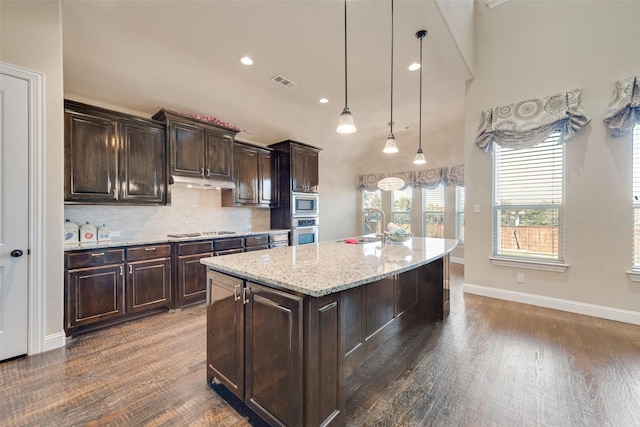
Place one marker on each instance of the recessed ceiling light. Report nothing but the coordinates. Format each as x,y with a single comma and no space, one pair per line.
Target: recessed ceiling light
413,67
246,60
323,100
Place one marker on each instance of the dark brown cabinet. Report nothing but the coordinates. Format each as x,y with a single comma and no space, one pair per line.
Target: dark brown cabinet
148,283
113,157
304,169
191,275
259,358
254,178
198,149
94,282
256,242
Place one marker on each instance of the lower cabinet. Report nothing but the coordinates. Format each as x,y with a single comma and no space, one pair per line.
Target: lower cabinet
105,286
191,277
255,345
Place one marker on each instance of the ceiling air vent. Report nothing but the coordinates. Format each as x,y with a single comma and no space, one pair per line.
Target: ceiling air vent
284,82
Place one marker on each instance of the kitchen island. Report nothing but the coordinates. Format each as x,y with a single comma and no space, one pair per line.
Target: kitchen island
286,327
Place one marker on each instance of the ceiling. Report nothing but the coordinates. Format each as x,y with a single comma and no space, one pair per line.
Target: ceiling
185,56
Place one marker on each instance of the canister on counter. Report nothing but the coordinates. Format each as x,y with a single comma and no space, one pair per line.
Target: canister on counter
104,234
71,233
88,234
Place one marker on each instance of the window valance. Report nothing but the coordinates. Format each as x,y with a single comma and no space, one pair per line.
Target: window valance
426,178
624,107
528,123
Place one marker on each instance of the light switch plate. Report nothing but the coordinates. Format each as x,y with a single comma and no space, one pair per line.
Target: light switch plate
476,208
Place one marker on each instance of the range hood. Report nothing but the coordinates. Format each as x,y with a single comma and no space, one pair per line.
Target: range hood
202,183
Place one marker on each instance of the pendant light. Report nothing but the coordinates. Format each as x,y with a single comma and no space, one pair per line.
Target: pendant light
345,124
419,159
391,146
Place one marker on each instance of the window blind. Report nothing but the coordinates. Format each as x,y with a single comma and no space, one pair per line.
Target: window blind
529,200
460,213
433,211
636,197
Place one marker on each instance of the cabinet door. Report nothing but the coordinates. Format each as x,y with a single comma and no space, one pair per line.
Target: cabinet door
218,155
298,164
192,278
225,332
273,369
148,284
142,163
90,159
267,187
311,171
246,191
94,294
186,149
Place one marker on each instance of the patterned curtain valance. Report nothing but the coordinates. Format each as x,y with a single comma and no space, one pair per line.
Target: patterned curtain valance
624,107
528,123
427,178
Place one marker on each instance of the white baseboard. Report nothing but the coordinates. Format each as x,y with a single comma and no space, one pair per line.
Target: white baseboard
600,311
54,341
457,260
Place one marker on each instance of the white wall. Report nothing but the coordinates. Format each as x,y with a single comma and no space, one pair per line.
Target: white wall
31,37
526,49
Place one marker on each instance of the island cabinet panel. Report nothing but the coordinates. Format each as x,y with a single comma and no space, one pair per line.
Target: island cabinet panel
324,402
430,292
191,275
225,332
407,286
379,304
352,306
274,368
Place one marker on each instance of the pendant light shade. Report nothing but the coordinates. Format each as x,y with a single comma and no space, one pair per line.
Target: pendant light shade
391,146
419,159
345,124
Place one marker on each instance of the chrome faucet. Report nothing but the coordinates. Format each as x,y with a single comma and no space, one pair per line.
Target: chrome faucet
367,219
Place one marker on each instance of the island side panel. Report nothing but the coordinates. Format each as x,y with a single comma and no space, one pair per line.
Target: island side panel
324,355
430,279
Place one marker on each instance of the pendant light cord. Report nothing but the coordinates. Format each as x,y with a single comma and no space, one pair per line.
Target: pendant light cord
391,121
420,124
345,54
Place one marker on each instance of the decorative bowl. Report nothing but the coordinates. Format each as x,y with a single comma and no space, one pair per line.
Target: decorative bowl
399,238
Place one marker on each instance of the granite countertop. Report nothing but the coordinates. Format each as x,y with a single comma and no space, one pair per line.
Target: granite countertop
114,243
331,266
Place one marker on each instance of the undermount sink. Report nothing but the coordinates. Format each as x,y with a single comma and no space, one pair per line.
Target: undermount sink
361,240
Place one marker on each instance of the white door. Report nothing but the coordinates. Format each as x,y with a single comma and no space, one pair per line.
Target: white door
14,215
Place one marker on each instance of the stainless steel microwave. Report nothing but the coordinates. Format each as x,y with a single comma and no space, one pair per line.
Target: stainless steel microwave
304,204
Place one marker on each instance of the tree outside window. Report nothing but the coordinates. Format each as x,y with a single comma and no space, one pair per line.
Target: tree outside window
401,213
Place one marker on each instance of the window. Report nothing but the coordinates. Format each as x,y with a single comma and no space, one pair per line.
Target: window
401,208
371,200
528,210
433,211
460,214
636,197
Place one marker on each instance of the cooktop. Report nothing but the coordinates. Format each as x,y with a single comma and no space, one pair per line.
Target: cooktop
203,234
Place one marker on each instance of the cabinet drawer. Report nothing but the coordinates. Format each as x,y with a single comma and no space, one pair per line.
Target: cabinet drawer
278,245
148,252
193,248
256,240
256,248
279,238
94,258
224,244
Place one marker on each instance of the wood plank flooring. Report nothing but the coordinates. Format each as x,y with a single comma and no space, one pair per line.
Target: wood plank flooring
490,363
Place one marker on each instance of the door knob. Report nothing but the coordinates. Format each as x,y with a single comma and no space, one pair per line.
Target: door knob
16,253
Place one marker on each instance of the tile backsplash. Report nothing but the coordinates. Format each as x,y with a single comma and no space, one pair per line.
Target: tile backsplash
191,210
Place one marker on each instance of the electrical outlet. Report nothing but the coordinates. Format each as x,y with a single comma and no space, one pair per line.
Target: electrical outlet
520,277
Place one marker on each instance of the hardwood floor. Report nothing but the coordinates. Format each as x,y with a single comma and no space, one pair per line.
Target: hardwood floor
490,363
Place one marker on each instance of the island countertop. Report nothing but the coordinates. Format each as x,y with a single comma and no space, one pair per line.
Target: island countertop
330,266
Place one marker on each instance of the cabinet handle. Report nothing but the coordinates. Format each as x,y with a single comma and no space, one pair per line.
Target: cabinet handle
245,299
130,269
202,171
208,172
150,249
121,270
115,193
236,295
98,254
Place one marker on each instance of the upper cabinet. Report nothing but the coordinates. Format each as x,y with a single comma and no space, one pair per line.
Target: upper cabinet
112,157
198,149
254,178
299,163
